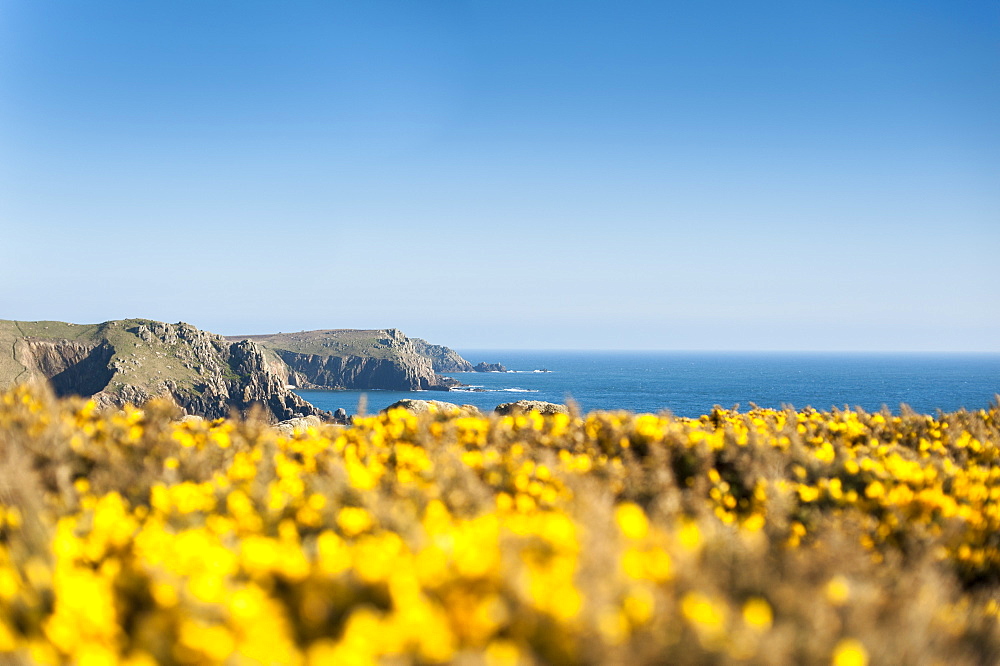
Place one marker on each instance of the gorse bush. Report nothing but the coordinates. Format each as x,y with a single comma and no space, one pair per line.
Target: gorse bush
763,537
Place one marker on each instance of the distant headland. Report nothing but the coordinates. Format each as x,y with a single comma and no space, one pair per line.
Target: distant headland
209,375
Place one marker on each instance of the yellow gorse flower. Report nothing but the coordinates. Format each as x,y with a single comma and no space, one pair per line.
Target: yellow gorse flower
131,537
850,652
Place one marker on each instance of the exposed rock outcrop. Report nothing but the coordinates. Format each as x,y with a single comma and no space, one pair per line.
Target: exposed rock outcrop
443,359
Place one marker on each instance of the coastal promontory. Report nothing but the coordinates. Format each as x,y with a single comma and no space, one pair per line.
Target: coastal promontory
209,375
134,360
357,359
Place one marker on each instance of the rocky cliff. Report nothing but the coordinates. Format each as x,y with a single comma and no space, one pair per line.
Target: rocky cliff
443,359
134,360
358,372
353,359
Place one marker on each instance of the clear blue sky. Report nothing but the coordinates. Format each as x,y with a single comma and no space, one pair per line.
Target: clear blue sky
516,174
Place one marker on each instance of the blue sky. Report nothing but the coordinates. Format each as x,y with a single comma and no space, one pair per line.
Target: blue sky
704,175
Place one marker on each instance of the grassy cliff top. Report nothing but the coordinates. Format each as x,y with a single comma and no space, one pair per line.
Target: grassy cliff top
111,331
139,362
54,330
382,343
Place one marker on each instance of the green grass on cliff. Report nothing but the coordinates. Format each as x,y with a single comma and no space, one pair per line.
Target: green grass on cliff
333,342
157,360
146,364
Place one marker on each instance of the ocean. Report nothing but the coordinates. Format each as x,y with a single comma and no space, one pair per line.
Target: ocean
691,383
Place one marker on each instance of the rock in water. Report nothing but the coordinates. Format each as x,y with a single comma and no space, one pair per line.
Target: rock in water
489,367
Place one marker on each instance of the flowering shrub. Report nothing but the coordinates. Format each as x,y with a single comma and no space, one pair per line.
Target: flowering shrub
763,537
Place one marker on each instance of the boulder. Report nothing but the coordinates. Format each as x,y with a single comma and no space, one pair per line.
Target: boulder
291,426
435,406
525,406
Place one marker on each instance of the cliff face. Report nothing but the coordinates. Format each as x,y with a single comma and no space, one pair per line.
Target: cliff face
131,361
72,368
354,359
357,372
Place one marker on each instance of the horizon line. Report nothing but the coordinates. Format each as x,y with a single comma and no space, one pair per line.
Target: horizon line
723,351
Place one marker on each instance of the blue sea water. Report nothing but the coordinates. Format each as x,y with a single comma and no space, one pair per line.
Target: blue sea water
691,383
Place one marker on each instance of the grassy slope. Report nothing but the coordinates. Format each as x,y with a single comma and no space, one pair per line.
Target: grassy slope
148,363
157,361
333,342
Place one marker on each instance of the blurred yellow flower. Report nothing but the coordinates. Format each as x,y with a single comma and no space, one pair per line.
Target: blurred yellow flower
354,520
632,520
757,613
850,652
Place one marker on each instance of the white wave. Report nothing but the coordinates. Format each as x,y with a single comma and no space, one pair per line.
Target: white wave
481,389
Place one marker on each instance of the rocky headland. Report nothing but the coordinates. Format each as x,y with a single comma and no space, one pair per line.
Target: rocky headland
134,360
358,359
208,375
